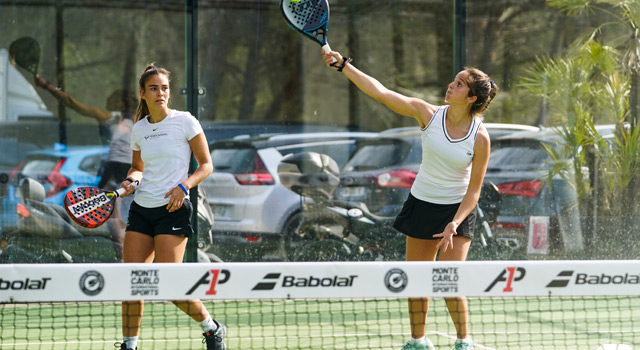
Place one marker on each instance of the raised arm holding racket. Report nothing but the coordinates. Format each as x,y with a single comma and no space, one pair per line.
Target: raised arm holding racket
438,218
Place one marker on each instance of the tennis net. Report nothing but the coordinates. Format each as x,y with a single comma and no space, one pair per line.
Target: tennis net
512,304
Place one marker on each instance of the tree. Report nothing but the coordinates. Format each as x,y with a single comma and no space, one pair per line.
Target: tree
596,80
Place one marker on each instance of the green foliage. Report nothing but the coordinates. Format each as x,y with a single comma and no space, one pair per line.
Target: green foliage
590,85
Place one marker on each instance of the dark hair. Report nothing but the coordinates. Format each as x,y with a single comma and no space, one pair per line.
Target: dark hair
149,71
481,86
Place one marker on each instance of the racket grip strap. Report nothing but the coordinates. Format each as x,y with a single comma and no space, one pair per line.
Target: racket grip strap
345,61
136,182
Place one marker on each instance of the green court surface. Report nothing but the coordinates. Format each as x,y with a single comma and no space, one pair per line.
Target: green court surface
495,323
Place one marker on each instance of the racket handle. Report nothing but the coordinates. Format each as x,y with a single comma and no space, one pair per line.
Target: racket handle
326,48
120,191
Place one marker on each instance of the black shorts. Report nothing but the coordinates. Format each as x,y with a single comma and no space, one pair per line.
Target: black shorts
420,219
159,221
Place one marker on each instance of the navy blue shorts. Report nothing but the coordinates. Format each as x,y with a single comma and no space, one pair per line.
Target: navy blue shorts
422,220
159,221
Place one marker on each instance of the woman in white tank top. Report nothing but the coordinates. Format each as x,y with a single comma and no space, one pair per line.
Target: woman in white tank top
439,214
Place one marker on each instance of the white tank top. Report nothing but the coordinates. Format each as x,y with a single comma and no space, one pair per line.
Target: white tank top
445,171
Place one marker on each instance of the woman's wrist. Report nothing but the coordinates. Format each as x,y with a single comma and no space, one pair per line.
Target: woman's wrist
132,180
345,62
184,189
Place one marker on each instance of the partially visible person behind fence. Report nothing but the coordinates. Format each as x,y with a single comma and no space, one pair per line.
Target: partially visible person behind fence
117,119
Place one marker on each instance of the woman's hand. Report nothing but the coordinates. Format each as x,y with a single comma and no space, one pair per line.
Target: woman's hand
129,187
176,197
447,236
331,57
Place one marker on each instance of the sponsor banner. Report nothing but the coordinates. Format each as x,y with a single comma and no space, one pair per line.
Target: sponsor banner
80,282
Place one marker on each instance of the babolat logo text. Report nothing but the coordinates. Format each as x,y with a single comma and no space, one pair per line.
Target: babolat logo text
88,205
508,275
25,284
563,279
271,280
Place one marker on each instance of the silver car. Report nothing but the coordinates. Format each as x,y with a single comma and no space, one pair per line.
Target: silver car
253,211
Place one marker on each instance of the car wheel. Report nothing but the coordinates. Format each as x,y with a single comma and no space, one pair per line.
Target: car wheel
291,236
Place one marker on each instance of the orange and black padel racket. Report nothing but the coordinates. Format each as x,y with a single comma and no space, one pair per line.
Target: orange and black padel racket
90,206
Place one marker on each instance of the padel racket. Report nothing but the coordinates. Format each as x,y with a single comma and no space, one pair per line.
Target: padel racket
309,18
26,53
90,207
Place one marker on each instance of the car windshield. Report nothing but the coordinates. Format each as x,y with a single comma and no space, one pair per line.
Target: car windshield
92,164
518,155
381,155
234,160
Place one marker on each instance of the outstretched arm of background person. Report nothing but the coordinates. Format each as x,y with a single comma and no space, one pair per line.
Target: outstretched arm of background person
99,114
401,104
481,151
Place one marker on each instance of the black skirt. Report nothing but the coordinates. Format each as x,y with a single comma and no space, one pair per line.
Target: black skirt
422,220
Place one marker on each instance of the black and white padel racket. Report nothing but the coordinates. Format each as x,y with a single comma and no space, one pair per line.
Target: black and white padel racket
309,18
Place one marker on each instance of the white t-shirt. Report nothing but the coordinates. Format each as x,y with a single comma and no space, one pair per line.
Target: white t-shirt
120,144
164,148
445,171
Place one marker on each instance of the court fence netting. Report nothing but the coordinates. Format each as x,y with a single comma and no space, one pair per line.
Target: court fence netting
324,305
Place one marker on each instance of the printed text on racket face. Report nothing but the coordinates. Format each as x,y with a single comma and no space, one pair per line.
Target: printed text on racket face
88,205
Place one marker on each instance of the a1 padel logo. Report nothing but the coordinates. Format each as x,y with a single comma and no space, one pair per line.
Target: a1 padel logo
564,278
270,281
508,275
213,282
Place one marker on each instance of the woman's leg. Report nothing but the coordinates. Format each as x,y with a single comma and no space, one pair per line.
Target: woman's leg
170,248
458,309
419,250
137,248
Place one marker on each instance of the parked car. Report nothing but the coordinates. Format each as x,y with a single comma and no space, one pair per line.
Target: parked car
252,209
61,168
518,165
224,130
381,171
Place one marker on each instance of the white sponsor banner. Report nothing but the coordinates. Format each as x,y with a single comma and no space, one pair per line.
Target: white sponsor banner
80,282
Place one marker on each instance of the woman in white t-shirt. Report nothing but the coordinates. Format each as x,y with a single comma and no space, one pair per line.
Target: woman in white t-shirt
438,218
162,140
